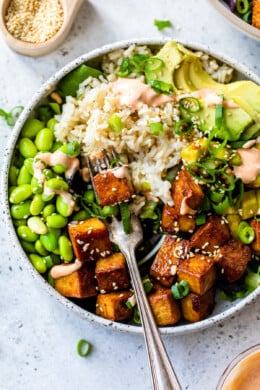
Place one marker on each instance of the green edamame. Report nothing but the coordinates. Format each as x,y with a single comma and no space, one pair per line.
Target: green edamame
19,222
59,168
44,140
89,196
81,215
27,148
27,246
65,248
21,211
20,193
52,123
38,263
57,184
49,241
24,176
37,204
40,249
109,211
48,173
56,221
48,210
56,146
28,163
31,128
72,149
63,207
37,225
36,185
25,233
13,174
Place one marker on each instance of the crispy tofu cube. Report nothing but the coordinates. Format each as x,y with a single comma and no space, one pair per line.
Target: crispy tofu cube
232,260
171,253
90,239
173,222
113,186
112,273
196,307
210,236
256,243
186,193
113,306
165,309
78,284
199,271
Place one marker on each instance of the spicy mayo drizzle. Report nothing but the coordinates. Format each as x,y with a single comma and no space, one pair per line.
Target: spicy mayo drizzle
60,270
250,167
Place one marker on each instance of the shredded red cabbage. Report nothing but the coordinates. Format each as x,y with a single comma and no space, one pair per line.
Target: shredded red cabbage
232,4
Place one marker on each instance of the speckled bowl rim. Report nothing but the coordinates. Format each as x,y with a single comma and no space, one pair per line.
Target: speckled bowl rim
43,91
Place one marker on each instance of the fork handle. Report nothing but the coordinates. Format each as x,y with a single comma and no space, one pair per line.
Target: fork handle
163,375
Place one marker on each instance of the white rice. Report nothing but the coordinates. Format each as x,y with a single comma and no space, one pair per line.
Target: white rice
85,119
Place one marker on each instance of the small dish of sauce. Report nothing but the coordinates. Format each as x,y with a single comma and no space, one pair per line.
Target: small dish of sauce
243,373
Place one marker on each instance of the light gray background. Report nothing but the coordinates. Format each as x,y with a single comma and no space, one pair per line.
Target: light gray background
38,336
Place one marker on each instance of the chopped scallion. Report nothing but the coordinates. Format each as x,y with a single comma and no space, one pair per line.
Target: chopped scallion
84,348
115,123
162,24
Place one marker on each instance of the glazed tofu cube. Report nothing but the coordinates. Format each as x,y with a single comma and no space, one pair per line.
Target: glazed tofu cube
199,271
90,239
210,236
256,243
112,273
113,306
232,260
196,307
113,186
171,253
165,309
186,193
78,284
173,222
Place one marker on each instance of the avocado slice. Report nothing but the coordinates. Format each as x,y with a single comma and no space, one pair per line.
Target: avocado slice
172,58
182,79
201,79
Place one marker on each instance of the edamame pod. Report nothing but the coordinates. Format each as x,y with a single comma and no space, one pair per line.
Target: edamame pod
65,248
27,148
37,225
37,204
24,176
31,128
56,221
57,184
25,233
49,241
44,140
63,207
21,211
20,193
40,248
38,263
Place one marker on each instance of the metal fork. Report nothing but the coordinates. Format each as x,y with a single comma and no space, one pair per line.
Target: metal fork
163,375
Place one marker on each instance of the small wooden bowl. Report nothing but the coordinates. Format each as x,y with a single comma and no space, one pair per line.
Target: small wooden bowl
70,9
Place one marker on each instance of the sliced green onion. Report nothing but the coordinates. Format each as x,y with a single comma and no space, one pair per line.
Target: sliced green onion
12,116
182,127
55,107
201,219
180,289
161,87
138,62
124,69
131,302
162,24
231,180
245,233
190,104
109,211
211,178
148,285
217,196
84,348
221,207
156,128
153,64
242,6
126,217
115,123
136,316
247,17
219,115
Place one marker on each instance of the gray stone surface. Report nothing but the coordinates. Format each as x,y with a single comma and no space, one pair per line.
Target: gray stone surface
38,336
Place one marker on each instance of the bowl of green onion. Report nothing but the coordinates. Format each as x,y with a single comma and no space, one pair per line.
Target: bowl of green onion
179,133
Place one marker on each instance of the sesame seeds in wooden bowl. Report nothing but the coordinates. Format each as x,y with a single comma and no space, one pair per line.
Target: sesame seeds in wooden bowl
37,27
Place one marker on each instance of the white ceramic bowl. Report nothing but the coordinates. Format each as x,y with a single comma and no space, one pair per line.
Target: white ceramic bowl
237,22
223,309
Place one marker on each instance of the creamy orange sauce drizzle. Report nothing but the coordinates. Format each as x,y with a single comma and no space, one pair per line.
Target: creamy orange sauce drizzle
250,167
246,375
60,270
134,93
58,157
